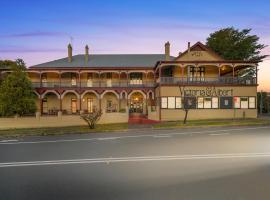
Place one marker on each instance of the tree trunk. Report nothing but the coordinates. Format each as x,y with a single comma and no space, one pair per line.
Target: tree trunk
186,114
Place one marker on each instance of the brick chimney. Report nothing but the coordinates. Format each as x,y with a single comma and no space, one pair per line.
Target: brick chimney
69,53
188,46
167,51
86,54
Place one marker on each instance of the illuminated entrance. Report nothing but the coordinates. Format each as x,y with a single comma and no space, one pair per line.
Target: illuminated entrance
136,103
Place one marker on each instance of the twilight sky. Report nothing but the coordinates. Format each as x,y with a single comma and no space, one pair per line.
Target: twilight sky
39,31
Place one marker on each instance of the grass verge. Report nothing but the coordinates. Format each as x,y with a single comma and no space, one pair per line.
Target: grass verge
61,130
207,123
124,126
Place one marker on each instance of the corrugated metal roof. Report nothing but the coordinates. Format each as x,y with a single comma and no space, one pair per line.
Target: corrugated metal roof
106,60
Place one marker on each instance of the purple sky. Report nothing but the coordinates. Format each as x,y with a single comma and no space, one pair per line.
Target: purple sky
39,31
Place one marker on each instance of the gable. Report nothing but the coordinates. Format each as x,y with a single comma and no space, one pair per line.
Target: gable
199,52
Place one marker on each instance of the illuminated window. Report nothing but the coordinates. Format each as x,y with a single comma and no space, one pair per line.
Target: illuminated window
178,102
200,102
164,102
171,102
252,103
207,102
244,102
215,102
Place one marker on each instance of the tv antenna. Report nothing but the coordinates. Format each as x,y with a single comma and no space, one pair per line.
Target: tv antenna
71,40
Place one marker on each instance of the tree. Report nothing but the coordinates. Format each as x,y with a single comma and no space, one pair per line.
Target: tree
92,118
16,92
188,102
235,44
5,65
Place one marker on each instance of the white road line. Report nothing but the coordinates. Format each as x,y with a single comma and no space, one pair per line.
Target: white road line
135,136
135,159
162,136
109,138
8,141
218,134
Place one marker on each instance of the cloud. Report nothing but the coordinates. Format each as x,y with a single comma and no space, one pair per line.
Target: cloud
35,34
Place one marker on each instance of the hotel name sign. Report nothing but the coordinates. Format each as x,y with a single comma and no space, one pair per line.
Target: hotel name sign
206,92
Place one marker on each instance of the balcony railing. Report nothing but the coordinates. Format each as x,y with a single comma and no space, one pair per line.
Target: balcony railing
209,80
90,84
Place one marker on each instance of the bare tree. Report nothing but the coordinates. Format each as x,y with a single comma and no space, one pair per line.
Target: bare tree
187,102
92,118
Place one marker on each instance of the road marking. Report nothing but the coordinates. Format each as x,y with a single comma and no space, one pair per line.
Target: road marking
218,134
135,159
8,141
133,136
109,138
162,136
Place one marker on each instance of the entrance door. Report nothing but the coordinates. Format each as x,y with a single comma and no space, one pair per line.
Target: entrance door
90,105
136,103
73,105
45,106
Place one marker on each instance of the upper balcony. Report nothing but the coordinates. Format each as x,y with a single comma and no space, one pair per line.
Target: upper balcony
209,80
92,80
207,74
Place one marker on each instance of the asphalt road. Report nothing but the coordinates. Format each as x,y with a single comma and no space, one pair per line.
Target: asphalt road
199,163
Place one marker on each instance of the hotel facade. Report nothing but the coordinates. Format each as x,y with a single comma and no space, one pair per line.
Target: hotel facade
154,86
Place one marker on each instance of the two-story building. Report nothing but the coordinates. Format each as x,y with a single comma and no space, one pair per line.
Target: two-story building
157,86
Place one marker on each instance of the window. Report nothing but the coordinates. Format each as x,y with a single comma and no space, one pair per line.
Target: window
237,103
252,102
196,74
171,102
215,102
207,102
244,102
200,102
164,102
201,73
178,102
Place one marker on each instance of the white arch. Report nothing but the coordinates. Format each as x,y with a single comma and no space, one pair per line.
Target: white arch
208,64
89,71
64,72
50,71
226,64
34,72
148,94
50,91
110,71
189,64
107,91
90,91
139,91
168,65
121,94
38,95
70,91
